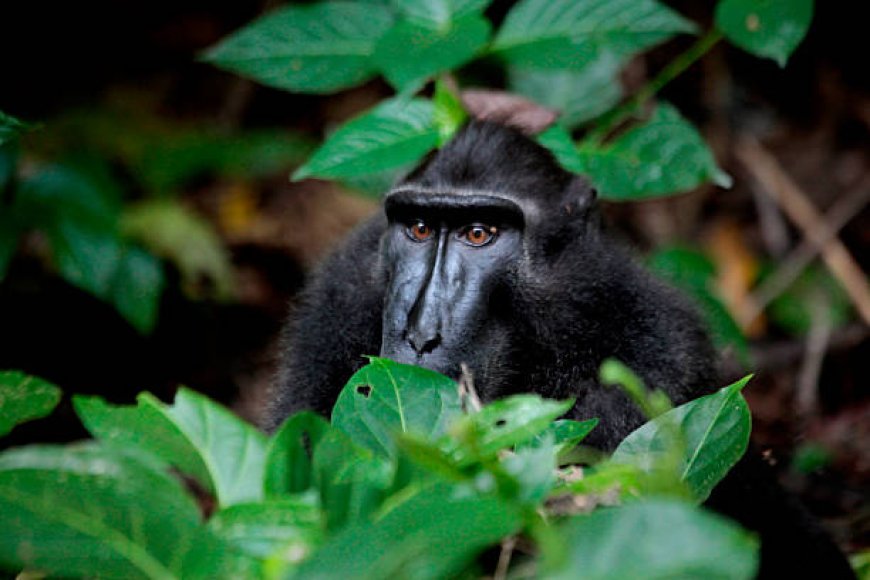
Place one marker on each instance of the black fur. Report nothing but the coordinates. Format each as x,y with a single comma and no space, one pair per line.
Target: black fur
572,300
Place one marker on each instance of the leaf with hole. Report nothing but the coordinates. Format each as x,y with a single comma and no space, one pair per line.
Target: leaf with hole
318,48
766,28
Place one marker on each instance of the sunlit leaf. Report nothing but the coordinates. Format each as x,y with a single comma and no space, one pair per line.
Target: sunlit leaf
571,34
449,113
395,133
438,13
318,48
766,28
24,398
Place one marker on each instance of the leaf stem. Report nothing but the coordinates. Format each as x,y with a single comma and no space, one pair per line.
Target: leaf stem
673,69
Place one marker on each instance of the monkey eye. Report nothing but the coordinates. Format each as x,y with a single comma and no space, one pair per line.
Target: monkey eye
478,234
419,231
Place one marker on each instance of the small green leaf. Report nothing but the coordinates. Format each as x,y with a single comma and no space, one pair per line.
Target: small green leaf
579,95
449,113
171,230
385,398
431,535
709,545
86,256
564,433
766,28
318,48
411,53
260,530
24,398
137,287
439,13
93,511
198,436
663,156
560,34
507,422
715,430
395,133
288,461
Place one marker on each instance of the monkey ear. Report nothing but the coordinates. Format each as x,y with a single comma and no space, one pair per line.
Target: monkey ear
579,196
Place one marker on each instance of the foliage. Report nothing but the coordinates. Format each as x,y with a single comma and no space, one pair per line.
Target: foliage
404,481
565,54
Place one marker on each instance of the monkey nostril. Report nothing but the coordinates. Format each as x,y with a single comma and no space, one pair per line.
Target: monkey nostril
423,344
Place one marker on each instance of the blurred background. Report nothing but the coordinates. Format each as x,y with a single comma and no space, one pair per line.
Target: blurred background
177,173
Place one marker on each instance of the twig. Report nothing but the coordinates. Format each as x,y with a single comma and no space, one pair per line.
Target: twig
467,393
794,203
842,212
807,390
504,558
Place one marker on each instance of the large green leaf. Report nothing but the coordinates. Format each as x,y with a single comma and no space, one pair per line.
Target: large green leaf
198,436
655,539
395,133
260,530
664,155
411,53
288,462
92,511
385,398
573,33
579,95
24,398
449,113
713,429
439,13
319,48
431,535
767,28
189,241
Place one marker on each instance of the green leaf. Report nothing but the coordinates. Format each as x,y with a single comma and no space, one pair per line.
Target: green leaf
663,156
288,462
564,433
385,398
260,530
534,471
411,53
691,271
573,33
439,13
24,398
395,133
449,113
558,140
709,546
92,511
196,435
10,128
319,48
86,256
169,229
505,423
766,28
579,95
715,430
137,287
815,292
431,535
350,479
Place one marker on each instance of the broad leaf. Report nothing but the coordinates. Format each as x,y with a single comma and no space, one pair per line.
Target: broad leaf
449,113
638,540
715,433
431,535
437,14
395,133
198,436
766,28
385,398
318,48
564,433
137,287
288,461
579,95
411,53
88,510
260,530
24,398
663,156
571,34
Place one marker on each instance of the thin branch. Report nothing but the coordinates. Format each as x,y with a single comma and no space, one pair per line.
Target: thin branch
794,203
818,338
504,558
467,393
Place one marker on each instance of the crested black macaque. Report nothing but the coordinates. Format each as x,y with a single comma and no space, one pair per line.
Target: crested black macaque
490,254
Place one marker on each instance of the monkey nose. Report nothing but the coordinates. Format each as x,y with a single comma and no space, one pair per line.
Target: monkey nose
423,342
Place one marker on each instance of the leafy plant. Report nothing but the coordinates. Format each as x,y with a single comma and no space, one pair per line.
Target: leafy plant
402,482
565,54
